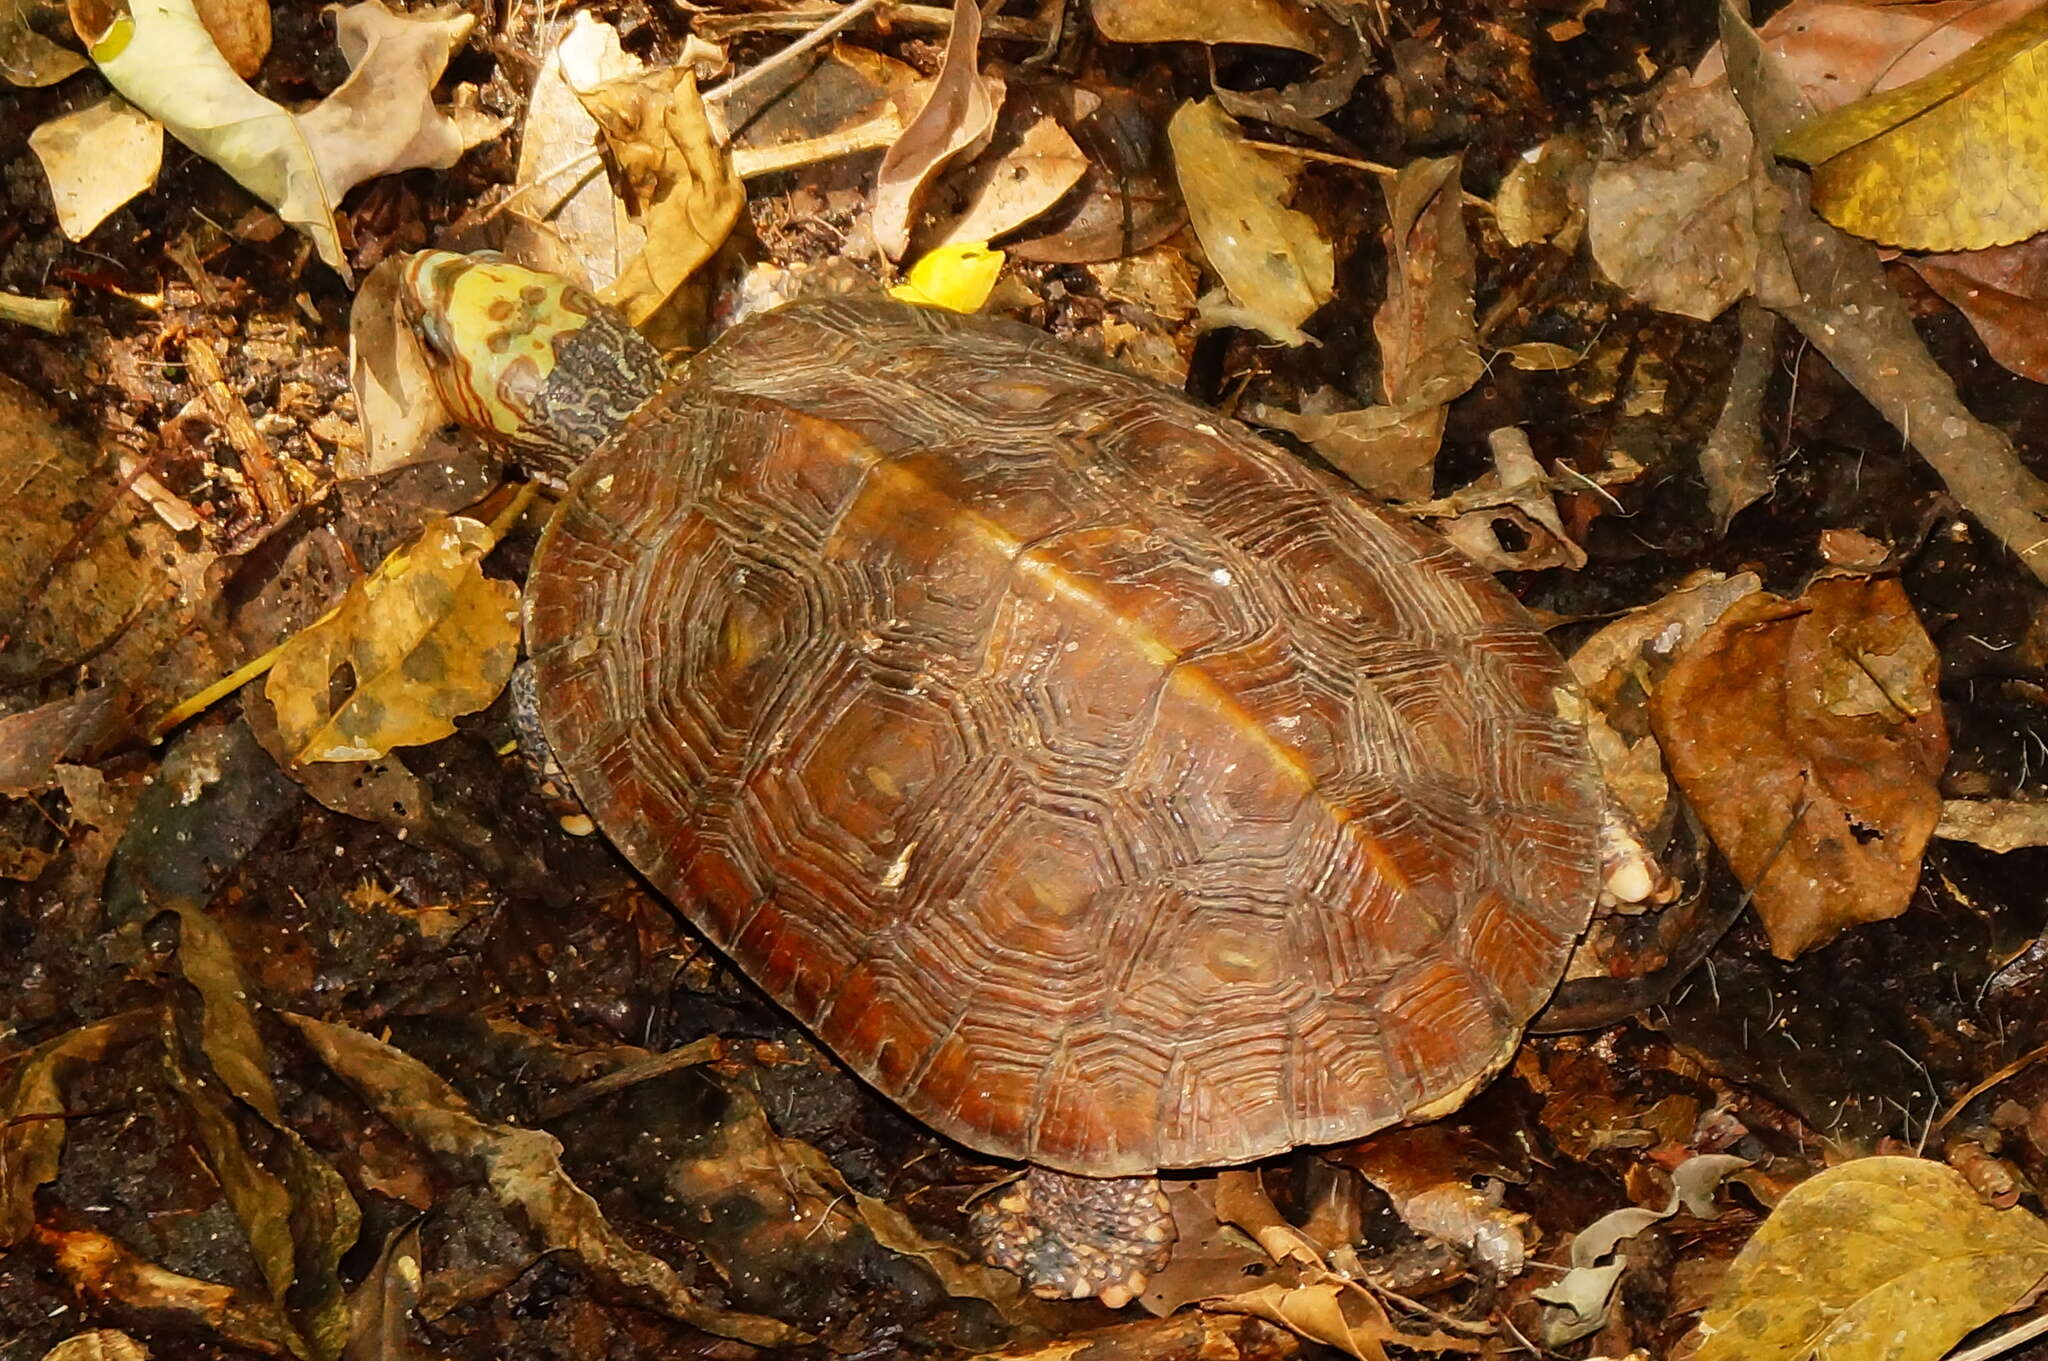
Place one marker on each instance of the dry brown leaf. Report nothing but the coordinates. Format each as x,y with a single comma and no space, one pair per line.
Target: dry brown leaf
852,100
522,1168
1620,667
32,1108
101,1344
240,29
1275,261
1825,704
1676,226
956,121
26,56
1543,195
1999,825
679,186
562,215
1956,160
2003,291
96,159
113,1278
1272,23
417,643
1838,51
1880,1259
1011,185
1516,493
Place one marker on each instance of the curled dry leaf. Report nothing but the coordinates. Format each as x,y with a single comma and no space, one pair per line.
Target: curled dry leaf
1516,493
1956,160
420,641
1271,23
160,56
1891,1258
562,214
679,184
110,1275
389,372
1808,737
1275,262
956,121
1676,226
96,159
1838,51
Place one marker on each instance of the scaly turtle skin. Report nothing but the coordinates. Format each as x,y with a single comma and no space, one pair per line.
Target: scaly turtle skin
1106,786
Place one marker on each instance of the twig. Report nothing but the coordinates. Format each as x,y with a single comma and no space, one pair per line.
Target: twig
1370,167
45,314
719,94
2004,1342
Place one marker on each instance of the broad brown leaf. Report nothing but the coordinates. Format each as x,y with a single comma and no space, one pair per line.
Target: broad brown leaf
1808,737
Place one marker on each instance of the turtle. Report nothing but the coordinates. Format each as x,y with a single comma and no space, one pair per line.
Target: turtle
1112,789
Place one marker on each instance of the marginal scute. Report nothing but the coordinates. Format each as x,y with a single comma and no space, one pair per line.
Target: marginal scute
1109,788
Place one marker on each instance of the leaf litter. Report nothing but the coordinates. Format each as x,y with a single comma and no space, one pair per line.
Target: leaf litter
1422,315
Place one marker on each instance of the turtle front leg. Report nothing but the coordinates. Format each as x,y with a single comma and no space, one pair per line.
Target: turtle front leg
1071,1237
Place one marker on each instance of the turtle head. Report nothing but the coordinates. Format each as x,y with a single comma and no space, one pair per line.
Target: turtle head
526,358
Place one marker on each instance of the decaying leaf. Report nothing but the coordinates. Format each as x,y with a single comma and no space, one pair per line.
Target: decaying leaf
851,100
1429,349
1999,825
679,184
1543,195
1275,262
1579,1301
1273,23
1620,667
101,1344
26,56
1808,737
1733,461
523,1170
417,643
956,121
96,159
160,56
1010,185
1127,201
1880,1259
2003,291
111,1276
294,1209
32,1112
1516,495
1956,160
1676,226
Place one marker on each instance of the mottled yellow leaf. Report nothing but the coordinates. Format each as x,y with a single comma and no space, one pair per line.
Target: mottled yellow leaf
1275,261
957,277
424,638
1956,160
1891,1258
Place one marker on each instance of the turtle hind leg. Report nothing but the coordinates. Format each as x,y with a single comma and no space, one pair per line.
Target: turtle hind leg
1071,1237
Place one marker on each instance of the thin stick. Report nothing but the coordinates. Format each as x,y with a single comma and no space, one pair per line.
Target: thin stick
2004,1342
1370,167
721,93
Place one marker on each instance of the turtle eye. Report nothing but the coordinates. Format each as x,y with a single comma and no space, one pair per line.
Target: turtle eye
432,331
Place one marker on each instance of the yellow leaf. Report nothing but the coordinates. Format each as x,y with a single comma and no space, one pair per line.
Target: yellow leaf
1956,160
1274,260
1891,1258
423,639
957,277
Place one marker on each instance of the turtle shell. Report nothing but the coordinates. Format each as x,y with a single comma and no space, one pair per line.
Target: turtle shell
1106,786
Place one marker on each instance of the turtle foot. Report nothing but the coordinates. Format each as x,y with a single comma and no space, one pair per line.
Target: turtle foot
1071,1237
